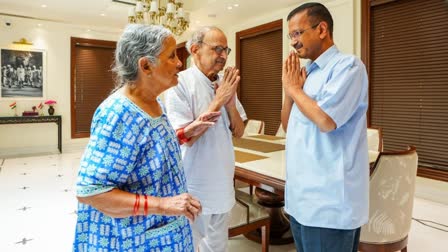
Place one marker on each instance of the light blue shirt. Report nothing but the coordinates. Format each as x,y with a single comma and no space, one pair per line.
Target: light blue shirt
327,174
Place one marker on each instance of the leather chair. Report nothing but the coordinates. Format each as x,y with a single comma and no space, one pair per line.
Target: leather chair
254,127
375,138
392,187
280,131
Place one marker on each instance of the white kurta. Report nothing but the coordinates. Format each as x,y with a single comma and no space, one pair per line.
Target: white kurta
210,163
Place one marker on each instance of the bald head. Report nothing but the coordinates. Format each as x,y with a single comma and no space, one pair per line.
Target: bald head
198,35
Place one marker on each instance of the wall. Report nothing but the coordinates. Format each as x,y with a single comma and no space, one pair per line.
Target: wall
54,38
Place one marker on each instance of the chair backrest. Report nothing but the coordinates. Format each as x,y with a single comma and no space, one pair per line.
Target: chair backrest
375,139
392,187
280,131
254,127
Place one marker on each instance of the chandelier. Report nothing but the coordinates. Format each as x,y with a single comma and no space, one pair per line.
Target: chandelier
171,15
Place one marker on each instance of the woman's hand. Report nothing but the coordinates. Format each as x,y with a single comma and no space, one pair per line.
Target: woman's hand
183,204
201,124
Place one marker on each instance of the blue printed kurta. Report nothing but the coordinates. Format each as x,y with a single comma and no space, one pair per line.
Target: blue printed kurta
133,152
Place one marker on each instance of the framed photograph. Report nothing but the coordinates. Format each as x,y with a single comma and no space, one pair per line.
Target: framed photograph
22,74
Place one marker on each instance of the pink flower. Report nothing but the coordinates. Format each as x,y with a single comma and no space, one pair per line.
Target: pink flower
50,102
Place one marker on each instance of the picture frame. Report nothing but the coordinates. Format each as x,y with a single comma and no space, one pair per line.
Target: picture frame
23,74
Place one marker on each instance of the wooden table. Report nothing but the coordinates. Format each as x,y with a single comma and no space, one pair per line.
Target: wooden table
268,174
36,119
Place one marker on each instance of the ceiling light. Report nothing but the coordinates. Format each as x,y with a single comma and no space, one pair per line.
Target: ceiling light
43,6
102,14
169,13
229,7
236,5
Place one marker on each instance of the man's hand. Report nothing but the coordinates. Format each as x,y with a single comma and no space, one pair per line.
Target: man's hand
227,89
201,124
231,103
293,78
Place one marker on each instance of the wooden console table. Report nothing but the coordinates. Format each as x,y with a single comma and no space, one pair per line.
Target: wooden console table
36,119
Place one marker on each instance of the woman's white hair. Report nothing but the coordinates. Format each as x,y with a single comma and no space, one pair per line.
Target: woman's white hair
137,41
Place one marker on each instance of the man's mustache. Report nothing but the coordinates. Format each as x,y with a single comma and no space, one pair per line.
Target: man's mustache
298,46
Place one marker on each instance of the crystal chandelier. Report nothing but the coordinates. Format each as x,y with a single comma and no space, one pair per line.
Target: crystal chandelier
171,15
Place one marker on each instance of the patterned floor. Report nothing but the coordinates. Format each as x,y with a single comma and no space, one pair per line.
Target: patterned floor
38,209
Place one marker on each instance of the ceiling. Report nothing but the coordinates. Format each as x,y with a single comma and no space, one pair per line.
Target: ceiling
106,13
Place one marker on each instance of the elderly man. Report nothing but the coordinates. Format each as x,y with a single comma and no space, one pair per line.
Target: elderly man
324,111
209,160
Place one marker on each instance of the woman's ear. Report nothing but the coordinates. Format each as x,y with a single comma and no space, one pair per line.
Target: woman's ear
145,66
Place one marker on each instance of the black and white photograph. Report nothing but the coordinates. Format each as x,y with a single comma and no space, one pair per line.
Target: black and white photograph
22,73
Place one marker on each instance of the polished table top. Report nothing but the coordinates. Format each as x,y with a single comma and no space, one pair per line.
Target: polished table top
273,164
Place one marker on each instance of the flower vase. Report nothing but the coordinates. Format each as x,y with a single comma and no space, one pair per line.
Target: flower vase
51,110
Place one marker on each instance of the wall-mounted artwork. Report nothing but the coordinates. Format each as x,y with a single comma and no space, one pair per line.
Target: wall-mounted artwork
22,74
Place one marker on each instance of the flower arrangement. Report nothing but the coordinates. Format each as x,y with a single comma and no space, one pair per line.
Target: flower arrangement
50,102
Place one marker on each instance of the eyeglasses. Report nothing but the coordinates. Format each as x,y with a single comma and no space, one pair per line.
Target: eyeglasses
219,49
297,33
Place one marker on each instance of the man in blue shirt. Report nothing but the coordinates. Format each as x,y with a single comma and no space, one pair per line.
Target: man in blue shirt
324,112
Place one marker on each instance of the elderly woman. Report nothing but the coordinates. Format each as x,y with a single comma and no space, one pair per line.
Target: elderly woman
131,186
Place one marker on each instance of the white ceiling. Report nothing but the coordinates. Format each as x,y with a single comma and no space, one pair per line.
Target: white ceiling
88,12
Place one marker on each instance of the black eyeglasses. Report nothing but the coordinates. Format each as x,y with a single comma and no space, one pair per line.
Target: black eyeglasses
296,34
219,49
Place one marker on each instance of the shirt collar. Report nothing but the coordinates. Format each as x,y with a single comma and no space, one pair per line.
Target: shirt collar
205,78
322,60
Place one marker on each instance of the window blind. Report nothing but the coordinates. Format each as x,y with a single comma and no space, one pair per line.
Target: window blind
261,73
409,77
